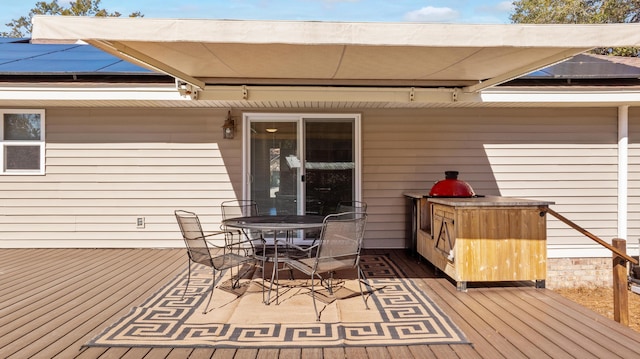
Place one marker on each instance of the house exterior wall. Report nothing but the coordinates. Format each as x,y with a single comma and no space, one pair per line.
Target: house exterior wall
565,155
106,167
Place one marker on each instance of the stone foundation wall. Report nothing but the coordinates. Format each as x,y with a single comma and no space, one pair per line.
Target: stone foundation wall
579,272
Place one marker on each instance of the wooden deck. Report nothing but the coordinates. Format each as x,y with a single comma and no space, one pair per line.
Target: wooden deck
52,301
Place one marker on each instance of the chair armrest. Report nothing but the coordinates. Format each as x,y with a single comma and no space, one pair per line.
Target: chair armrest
289,245
238,245
208,236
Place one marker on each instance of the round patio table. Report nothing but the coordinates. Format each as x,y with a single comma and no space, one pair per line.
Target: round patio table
285,222
276,223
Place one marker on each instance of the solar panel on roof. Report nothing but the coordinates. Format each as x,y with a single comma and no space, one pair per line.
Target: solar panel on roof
589,66
17,56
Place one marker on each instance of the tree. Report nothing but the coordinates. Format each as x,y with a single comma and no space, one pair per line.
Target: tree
21,27
579,12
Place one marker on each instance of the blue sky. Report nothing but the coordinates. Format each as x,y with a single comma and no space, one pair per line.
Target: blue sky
448,11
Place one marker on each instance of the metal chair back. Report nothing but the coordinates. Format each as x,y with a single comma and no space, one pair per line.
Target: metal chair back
340,241
351,206
194,238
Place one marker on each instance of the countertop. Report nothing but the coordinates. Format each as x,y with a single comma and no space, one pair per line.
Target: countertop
486,201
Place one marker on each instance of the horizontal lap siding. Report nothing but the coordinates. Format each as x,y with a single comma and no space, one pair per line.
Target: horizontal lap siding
564,155
106,167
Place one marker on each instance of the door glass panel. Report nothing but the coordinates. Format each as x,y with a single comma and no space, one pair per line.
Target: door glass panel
302,164
275,166
330,165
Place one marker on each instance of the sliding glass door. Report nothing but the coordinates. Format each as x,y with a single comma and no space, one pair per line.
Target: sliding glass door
297,164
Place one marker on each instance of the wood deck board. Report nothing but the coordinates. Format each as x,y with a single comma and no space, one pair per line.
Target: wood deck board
485,342
48,320
130,295
527,339
39,285
378,353
586,316
83,306
245,354
23,280
422,352
546,326
40,299
89,353
555,319
201,353
267,353
498,322
333,353
400,352
87,290
234,353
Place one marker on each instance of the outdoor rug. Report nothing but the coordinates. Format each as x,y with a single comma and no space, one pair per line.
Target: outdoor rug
400,314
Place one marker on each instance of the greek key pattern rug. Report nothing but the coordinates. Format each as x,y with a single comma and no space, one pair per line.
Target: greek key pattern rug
400,314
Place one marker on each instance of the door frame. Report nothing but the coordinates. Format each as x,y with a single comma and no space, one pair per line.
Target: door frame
298,117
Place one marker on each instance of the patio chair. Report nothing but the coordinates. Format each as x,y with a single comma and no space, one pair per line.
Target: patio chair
242,208
233,254
351,206
259,249
338,248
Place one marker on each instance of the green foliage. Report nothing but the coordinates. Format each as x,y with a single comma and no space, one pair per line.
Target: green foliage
575,11
21,27
580,12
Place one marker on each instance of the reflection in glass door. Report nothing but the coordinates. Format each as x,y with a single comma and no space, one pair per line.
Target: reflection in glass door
301,163
329,164
274,173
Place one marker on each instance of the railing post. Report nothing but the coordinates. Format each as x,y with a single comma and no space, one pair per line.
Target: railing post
620,283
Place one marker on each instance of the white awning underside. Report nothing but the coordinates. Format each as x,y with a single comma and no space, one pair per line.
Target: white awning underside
226,60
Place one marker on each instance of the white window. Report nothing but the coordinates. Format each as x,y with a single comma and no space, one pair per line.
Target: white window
22,142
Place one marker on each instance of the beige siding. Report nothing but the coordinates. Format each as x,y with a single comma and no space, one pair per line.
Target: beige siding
567,155
106,167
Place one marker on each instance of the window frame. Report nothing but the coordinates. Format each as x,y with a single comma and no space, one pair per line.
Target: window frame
5,143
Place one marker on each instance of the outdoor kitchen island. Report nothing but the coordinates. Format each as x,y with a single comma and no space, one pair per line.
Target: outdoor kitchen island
482,239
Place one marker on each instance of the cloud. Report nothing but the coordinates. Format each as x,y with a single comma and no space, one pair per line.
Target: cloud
432,14
501,7
506,6
495,13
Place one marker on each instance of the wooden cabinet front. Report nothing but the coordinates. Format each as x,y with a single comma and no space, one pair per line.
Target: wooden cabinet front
485,243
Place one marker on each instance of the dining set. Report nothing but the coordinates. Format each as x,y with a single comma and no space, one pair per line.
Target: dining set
317,246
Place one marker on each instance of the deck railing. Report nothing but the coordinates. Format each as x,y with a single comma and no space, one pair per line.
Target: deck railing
620,274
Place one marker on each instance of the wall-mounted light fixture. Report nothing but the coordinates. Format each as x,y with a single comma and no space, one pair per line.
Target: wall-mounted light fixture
229,127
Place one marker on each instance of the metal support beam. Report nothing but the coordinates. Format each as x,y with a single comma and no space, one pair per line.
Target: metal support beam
337,94
523,70
118,49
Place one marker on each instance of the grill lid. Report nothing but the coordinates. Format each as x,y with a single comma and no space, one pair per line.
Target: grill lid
451,186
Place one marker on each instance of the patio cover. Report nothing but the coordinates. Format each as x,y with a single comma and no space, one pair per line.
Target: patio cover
222,59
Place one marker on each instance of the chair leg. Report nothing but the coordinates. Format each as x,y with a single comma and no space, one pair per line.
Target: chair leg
233,283
213,286
361,278
313,296
188,278
330,283
264,263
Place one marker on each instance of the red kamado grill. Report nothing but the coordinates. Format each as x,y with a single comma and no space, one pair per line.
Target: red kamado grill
451,186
